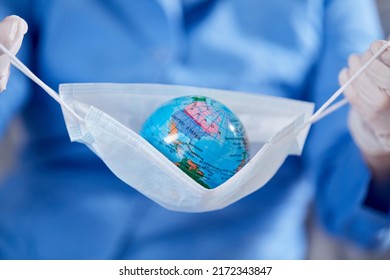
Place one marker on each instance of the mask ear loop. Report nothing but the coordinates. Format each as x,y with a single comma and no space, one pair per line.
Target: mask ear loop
326,109
323,111
24,69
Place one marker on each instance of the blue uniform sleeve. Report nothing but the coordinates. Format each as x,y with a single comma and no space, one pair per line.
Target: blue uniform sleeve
16,94
335,163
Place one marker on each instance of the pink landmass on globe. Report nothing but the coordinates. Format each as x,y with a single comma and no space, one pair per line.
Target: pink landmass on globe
195,112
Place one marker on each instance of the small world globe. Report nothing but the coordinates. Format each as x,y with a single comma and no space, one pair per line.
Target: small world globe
201,136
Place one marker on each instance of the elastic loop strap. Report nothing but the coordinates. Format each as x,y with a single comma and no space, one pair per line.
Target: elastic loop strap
321,111
319,114
23,68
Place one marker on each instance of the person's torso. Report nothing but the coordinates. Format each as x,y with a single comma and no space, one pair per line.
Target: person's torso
266,47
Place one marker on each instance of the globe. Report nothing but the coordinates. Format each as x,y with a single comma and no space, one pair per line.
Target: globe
201,136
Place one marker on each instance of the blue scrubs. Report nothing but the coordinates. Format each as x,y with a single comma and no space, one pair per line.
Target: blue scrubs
63,203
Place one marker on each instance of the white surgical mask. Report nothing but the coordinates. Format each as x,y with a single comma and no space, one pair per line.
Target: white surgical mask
113,114
107,117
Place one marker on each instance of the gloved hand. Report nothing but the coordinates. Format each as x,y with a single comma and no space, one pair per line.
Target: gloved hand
12,30
369,118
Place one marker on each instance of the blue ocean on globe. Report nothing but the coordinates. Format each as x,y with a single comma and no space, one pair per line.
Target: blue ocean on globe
201,136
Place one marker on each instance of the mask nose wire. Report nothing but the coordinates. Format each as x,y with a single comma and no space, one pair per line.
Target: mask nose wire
24,69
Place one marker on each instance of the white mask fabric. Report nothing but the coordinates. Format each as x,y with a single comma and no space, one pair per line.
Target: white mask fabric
114,113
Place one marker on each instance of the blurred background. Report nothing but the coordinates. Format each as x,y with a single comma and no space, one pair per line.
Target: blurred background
321,245
384,12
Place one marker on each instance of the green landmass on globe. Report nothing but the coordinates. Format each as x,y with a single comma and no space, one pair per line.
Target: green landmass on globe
201,136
